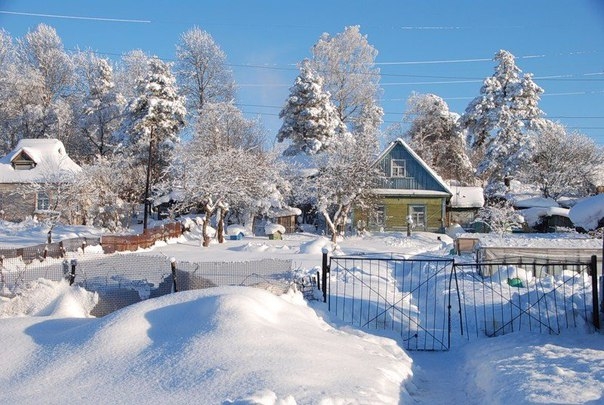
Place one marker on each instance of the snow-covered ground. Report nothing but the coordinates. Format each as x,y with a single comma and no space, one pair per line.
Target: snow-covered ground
248,346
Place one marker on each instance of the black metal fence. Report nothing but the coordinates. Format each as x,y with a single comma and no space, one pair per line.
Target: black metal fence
124,279
430,302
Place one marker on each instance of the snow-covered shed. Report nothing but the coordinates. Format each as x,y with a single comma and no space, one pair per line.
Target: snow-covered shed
32,161
464,205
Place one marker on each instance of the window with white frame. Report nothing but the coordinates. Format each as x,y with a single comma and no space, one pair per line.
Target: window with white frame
418,215
398,168
42,201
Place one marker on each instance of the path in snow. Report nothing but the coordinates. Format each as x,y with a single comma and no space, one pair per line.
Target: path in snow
441,378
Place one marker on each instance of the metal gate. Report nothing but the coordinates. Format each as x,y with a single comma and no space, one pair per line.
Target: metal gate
429,302
403,296
497,298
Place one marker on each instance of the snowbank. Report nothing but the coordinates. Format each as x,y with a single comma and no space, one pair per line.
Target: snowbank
219,345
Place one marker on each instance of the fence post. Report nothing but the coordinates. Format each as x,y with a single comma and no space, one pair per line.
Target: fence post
74,263
594,289
173,267
602,290
324,271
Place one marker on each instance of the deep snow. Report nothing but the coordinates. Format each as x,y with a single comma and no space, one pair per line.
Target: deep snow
245,345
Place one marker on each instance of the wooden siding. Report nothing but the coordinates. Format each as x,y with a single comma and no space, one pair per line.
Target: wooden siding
418,178
396,210
15,206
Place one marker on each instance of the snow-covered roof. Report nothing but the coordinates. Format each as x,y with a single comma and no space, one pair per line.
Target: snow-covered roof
271,228
467,197
284,212
50,160
588,213
533,215
404,144
532,202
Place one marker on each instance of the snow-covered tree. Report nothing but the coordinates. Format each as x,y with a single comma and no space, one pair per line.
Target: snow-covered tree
224,168
8,93
222,126
49,70
501,217
36,78
502,120
156,117
336,181
346,62
102,106
437,138
563,163
202,72
106,192
132,69
310,120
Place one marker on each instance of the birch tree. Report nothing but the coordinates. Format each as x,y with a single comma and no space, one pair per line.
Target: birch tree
202,71
346,61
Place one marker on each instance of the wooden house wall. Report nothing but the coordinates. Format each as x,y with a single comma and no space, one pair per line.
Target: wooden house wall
16,207
417,177
396,210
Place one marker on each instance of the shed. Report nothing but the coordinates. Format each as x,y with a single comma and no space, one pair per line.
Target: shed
464,205
274,231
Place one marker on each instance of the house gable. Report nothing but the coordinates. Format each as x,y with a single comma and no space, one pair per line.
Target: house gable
22,161
406,173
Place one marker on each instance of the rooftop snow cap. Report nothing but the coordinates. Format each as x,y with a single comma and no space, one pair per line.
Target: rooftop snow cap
50,158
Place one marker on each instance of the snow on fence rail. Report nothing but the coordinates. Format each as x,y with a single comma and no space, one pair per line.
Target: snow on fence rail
124,279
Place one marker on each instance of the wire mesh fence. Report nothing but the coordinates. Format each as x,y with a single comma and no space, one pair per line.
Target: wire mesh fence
124,279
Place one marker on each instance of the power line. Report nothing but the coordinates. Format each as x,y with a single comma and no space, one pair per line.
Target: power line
453,79
72,17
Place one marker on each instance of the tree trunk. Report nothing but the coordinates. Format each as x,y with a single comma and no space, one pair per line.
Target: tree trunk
148,182
331,226
220,228
205,239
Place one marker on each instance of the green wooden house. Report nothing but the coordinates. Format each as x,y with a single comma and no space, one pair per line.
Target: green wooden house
409,190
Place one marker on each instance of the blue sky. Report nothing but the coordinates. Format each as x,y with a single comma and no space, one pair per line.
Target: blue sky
427,46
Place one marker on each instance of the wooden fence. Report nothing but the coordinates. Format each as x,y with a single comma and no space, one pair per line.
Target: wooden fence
121,243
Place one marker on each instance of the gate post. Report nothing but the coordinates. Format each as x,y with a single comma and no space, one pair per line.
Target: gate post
173,269
594,293
324,271
72,275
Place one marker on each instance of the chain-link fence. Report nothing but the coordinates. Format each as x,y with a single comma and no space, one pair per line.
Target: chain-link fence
124,279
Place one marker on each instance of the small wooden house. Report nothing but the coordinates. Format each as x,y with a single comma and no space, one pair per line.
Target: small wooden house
33,161
410,192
